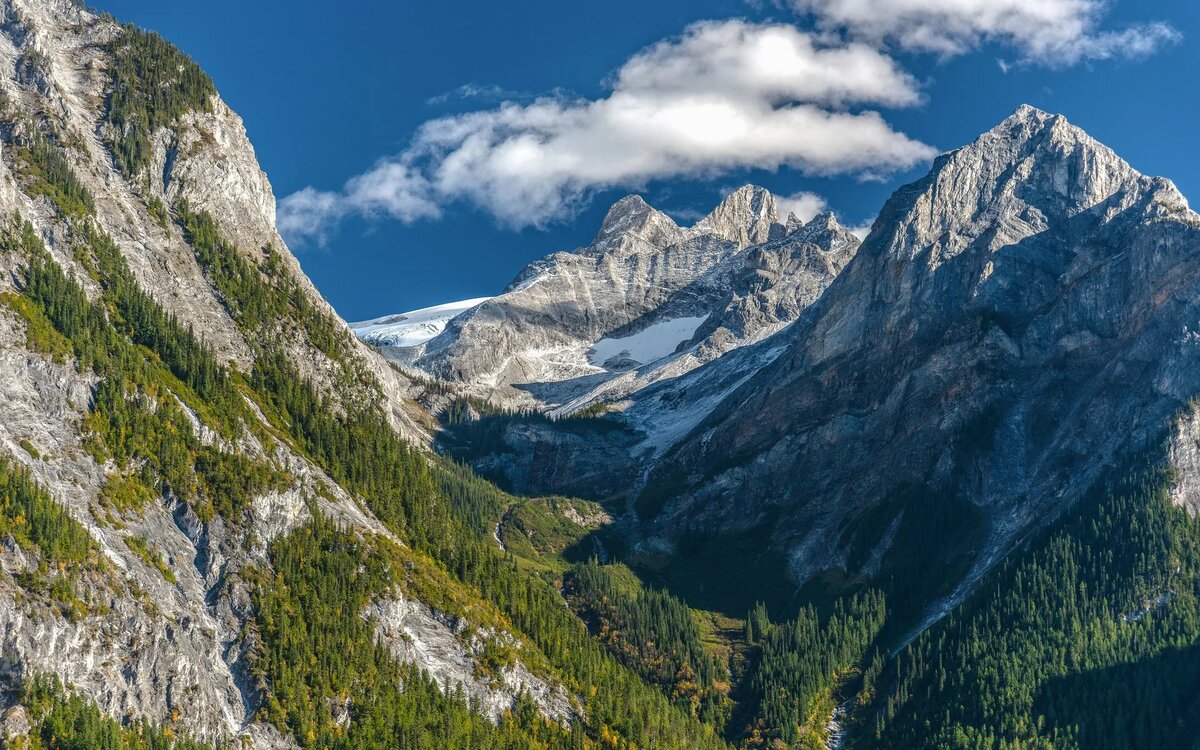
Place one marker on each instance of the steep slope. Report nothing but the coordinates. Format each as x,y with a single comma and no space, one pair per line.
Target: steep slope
219,524
166,365
1016,322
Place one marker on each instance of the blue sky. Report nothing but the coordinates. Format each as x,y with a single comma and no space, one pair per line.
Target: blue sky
329,91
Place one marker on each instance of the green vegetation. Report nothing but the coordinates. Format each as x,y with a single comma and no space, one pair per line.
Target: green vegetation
158,210
63,720
259,297
135,314
122,493
617,703
40,334
363,453
548,526
758,624
359,449
47,173
141,547
654,634
29,448
591,411
803,663
152,85
318,656
441,510
1089,640
38,523
146,362
61,546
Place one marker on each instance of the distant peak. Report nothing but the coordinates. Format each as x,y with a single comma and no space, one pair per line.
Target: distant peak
1028,123
630,205
1029,112
625,213
748,193
633,215
826,232
749,200
744,217
823,220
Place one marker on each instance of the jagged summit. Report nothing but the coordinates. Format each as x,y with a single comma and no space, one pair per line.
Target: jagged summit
633,215
735,276
745,217
824,231
1030,172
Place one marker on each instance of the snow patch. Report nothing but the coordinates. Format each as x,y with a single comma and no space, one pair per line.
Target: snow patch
649,345
415,327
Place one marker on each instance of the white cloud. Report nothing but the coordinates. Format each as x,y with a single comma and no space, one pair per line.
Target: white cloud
861,230
724,96
478,92
804,204
1048,32
391,189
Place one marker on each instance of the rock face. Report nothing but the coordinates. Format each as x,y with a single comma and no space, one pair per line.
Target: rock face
647,300
415,633
1017,323
167,643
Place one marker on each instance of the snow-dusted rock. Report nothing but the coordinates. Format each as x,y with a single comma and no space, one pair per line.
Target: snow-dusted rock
646,300
413,328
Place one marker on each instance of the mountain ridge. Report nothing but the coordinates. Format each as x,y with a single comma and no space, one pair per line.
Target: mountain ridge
222,523
738,269
168,366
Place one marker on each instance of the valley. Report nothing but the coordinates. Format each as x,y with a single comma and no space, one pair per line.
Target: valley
756,482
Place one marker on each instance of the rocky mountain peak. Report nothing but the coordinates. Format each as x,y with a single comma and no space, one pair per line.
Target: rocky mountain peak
745,217
824,220
1031,172
1031,271
633,217
825,232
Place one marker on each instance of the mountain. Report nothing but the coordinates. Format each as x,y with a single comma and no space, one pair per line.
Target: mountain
220,523
1015,325
937,490
646,300
987,418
